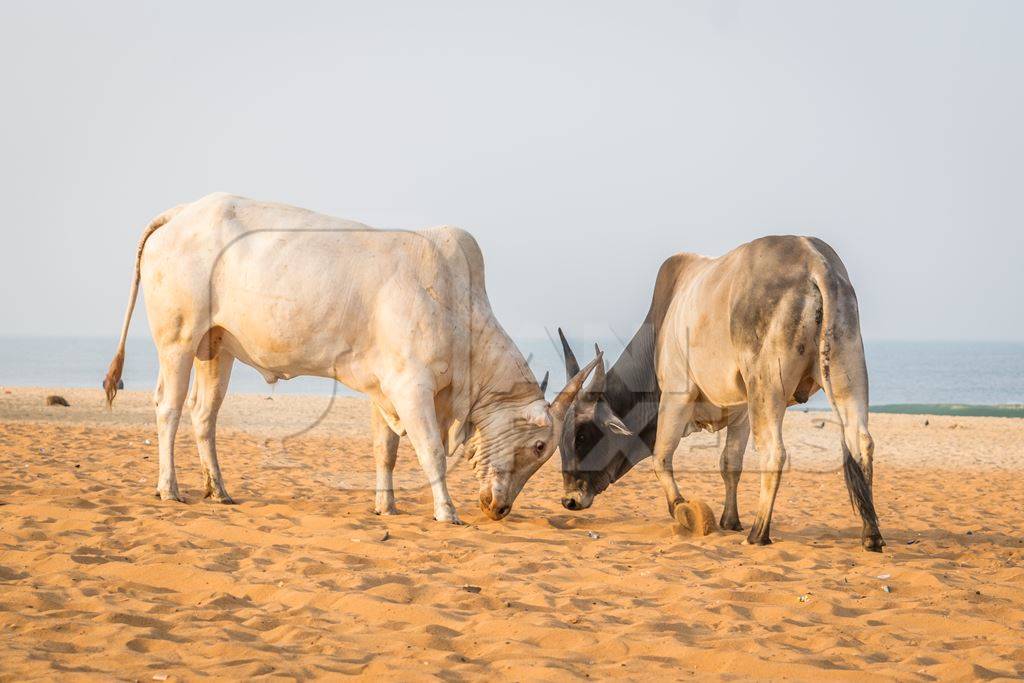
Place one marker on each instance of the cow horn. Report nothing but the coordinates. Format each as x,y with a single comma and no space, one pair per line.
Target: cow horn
572,366
596,388
560,406
544,382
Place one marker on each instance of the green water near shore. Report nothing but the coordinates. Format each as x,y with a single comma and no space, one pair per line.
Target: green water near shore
1014,410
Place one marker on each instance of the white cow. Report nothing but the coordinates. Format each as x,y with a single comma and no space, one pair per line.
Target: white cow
401,316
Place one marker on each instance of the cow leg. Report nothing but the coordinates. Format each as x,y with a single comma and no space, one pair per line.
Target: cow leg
732,466
848,393
415,407
385,453
858,468
211,385
171,391
767,408
673,416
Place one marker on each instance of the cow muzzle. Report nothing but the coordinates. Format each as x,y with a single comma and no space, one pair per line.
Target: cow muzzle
494,507
577,500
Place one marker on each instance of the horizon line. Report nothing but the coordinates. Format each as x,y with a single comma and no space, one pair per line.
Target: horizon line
888,340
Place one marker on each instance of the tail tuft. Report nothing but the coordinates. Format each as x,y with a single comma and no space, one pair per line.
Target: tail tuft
113,378
859,489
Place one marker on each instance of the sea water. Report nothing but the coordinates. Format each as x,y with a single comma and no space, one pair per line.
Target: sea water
983,373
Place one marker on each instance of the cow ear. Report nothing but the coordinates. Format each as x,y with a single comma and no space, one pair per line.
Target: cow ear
618,426
609,419
537,414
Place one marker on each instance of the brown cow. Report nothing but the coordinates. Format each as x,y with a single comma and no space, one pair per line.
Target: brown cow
729,342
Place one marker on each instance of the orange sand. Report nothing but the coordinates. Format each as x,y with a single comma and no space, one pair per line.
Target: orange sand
98,579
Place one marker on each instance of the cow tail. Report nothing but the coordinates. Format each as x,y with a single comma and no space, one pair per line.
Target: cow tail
113,378
857,485
827,336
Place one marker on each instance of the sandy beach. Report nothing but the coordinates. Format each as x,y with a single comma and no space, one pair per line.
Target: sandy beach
100,580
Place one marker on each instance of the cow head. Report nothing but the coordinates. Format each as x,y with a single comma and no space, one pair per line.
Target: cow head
594,441
514,439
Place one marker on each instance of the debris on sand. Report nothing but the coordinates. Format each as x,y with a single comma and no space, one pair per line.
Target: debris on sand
593,534
385,536
55,400
805,597
818,424
469,588
887,588
926,423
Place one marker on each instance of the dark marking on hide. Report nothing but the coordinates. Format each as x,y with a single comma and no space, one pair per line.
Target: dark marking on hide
209,345
800,348
804,390
769,286
740,382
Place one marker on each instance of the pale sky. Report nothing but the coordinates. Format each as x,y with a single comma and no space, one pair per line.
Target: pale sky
582,143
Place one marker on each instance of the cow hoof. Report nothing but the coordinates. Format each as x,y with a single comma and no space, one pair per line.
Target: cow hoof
694,518
447,515
732,524
454,520
169,494
757,540
384,502
216,496
873,544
